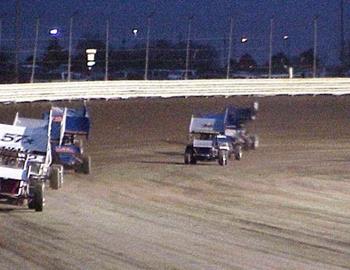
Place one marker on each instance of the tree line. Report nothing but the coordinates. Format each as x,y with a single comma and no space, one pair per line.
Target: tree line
163,54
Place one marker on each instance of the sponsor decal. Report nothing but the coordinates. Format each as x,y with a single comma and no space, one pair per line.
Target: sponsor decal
57,118
207,125
65,149
16,138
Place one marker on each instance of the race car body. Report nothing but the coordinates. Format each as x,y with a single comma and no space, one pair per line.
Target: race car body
206,142
53,172
25,159
232,124
68,127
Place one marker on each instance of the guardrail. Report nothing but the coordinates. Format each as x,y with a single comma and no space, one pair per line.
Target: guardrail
165,89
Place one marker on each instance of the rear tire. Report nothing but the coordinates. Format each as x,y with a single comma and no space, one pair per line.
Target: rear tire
31,204
79,143
55,182
86,166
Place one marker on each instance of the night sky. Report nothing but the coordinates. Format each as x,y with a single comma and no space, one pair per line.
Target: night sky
210,22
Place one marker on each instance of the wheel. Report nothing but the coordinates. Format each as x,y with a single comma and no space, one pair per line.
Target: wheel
86,165
56,177
238,152
193,160
231,151
79,143
31,204
255,142
38,197
189,158
223,157
55,182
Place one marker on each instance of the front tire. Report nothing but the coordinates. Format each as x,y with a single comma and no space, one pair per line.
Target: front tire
238,152
38,198
223,157
255,142
189,157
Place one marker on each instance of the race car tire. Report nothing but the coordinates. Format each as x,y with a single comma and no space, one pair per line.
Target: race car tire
193,160
31,203
86,165
38,198
55,181
255,142
189,158
79,143
223,157
238,152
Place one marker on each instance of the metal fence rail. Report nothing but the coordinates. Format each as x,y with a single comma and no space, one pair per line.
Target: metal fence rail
130,89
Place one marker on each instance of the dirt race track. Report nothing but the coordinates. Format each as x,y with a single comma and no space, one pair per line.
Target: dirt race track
283,206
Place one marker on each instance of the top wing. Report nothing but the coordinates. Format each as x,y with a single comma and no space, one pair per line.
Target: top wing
24,138
206,125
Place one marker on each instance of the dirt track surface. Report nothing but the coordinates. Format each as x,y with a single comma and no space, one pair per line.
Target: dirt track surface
283,206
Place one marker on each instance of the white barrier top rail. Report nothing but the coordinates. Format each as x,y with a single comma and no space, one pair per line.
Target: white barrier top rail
129,89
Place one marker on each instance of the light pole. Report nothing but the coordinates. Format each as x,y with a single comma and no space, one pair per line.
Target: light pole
270,48
1,27
35,49
0,32
229,51
147,45
70,47
107,51
243,40
286,40
342,40
314,69
18,37
188,46
289,67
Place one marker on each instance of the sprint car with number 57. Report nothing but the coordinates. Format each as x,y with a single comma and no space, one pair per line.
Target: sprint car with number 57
25,159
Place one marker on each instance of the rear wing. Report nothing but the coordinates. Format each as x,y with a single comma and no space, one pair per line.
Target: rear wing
206,125
29,122
35,136
26,139
235,116
68,121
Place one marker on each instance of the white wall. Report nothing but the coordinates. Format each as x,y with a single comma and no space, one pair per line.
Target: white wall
129,89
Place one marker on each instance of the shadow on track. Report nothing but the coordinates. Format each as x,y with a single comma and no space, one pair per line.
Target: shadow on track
175,142
11,207
176,163
15,209
169,153
160,162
